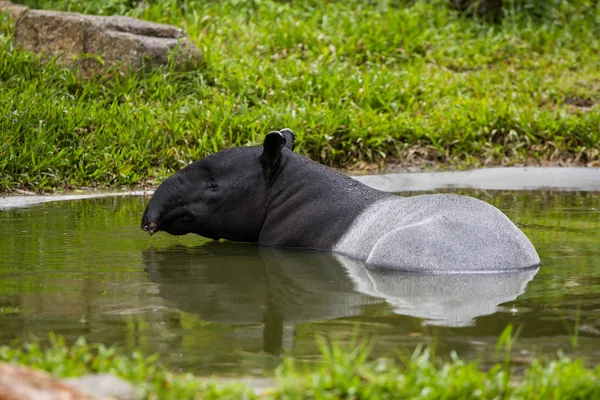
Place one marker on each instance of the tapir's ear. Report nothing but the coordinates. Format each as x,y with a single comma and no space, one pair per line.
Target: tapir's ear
274,142
290,138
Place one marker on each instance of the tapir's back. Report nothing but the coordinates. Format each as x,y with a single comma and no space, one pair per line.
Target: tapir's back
438,233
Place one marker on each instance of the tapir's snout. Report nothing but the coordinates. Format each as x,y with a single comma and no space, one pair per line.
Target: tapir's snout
149,222
151,228
167,205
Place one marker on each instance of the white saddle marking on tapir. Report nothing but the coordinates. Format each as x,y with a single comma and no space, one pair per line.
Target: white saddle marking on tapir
441,233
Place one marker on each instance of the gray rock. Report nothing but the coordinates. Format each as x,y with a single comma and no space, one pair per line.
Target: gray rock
14,11
95,43
104,387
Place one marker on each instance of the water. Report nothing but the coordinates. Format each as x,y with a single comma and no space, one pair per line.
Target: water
85,268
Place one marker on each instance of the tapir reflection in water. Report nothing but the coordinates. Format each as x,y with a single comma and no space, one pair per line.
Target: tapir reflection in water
274,197
244,285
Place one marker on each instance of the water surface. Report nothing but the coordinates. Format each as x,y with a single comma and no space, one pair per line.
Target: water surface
85,268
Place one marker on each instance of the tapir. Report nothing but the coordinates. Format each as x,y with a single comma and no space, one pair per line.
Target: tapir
275,197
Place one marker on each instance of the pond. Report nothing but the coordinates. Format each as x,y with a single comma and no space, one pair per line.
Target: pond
85,268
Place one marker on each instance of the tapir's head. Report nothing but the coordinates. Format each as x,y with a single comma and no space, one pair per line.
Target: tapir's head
223,195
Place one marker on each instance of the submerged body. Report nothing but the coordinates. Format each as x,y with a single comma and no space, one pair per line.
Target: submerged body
278,198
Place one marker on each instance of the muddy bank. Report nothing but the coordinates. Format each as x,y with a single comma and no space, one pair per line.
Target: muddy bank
512,178
16,201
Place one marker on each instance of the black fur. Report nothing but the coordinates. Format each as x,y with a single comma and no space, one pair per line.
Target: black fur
267,194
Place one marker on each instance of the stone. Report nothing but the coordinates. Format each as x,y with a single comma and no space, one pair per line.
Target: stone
14,11
24,383
93,44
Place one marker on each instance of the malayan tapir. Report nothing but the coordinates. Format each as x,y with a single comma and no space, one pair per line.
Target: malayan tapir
271,195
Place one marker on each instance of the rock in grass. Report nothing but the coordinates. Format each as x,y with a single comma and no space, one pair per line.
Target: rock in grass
23,383
14,11
96,43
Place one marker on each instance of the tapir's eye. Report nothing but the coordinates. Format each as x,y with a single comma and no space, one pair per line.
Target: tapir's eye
213,185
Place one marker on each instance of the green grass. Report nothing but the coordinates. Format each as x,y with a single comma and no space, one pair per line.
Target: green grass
152,380
361,82
343,373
